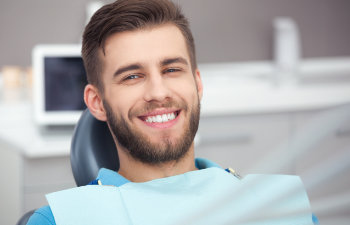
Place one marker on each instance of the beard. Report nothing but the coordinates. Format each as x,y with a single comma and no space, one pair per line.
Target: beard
139,145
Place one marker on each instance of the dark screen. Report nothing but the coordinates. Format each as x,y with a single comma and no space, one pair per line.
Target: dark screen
65,79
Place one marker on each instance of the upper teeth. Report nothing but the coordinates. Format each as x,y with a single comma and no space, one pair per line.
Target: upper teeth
160,118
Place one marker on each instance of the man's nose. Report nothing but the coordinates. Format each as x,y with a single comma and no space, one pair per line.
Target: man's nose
157,88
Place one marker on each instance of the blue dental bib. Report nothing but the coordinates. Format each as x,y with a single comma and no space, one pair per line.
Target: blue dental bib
207,196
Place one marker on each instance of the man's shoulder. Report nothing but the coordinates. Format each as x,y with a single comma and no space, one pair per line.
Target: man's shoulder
42,216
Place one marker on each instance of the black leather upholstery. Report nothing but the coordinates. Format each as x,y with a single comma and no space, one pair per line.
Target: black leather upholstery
24,219
92,148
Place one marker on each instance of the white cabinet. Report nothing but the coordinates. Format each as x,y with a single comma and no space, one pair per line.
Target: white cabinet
324,162
11,188
313,144
246,142
42,176
33,162
26,181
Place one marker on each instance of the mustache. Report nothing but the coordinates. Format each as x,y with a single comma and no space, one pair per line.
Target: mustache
150,106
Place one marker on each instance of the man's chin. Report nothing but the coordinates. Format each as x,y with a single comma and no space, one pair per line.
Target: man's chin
165,139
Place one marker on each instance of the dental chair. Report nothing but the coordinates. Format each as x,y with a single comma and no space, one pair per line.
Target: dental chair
92,148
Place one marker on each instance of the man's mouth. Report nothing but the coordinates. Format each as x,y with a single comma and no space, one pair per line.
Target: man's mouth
161,118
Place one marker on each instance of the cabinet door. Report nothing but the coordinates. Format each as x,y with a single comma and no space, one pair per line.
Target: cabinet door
248,144
323,139
10,194
45,175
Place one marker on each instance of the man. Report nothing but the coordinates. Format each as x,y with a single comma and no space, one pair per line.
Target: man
144,82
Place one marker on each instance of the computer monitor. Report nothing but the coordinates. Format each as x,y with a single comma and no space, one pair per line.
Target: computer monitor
59,79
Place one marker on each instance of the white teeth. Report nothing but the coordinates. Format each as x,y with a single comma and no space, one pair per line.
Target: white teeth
164,118
154,119
160,118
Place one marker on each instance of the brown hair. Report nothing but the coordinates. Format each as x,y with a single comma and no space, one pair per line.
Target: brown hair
129,15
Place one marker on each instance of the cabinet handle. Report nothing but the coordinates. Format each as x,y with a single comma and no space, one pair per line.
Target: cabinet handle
223,139
341,133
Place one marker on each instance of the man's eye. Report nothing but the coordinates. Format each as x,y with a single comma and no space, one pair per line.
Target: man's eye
131,77
172,70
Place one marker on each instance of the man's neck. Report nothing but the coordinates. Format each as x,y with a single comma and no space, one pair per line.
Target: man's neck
137,171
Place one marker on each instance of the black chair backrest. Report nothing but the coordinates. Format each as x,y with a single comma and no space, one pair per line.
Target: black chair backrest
24,219
92,148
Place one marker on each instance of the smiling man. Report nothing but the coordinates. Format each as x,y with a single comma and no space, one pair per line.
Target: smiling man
150,99
144,82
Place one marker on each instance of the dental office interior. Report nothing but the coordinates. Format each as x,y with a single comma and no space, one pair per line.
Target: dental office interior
276,76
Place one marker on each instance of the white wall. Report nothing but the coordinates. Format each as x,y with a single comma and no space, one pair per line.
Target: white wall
224,30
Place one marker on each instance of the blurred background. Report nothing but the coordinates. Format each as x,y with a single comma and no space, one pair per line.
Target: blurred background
225,31
276,79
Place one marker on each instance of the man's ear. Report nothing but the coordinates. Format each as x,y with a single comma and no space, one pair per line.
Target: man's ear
199,84
94,102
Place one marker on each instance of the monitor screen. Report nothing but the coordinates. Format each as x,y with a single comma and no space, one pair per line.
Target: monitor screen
65,80
59,80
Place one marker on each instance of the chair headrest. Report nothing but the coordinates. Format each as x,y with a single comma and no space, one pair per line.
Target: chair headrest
92,148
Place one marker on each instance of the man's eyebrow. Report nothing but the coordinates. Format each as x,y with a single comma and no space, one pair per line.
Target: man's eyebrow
126,68
174,60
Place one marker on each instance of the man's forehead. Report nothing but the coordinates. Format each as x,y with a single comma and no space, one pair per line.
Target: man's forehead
152,41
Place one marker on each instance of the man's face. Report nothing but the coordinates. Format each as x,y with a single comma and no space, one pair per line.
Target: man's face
151,96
